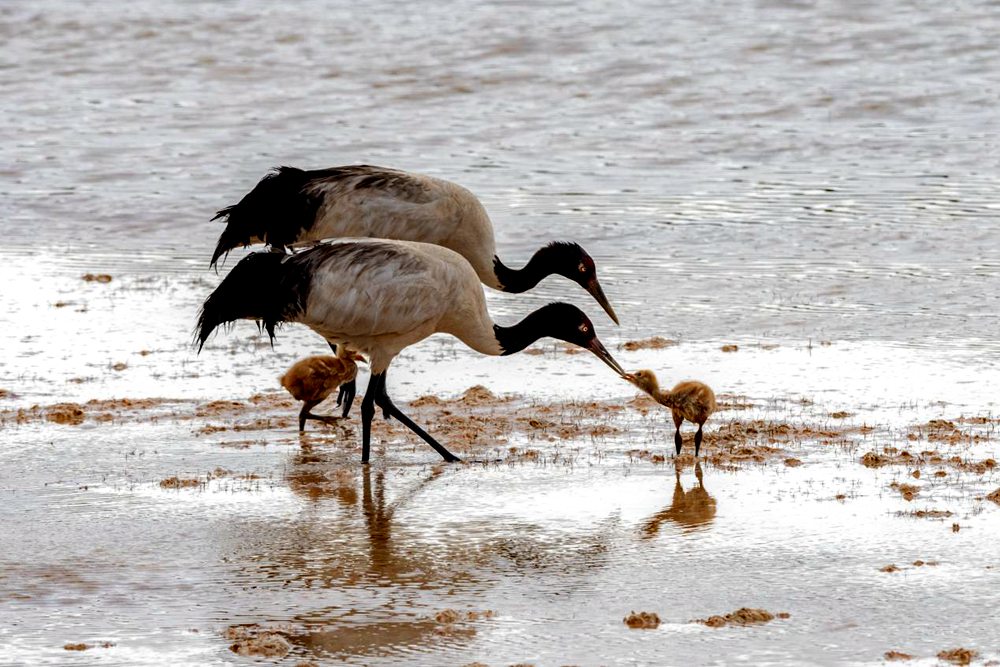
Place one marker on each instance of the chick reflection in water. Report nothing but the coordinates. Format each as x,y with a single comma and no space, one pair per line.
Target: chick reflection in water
688,509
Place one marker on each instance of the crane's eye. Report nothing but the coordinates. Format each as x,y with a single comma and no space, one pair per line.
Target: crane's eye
582,268
584,328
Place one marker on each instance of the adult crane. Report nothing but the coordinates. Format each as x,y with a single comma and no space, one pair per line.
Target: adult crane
291,206
378,297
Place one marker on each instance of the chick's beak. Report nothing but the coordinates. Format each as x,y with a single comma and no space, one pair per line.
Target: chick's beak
597,292
602,353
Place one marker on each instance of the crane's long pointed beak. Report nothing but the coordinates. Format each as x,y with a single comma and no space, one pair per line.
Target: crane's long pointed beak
597,292
602,353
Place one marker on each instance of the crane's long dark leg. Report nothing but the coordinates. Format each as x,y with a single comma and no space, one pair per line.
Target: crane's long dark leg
383,400
347,392
697,441
367,412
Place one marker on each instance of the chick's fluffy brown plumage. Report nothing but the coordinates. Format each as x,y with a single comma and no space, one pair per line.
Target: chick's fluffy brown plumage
315,378
690,400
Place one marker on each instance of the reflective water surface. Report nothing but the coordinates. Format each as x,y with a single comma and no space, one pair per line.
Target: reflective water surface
813,182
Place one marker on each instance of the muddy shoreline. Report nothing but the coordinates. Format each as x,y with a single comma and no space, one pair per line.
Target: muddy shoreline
244,458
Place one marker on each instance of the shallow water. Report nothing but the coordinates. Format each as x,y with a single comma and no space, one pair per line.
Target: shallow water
780,169
815,182
557,538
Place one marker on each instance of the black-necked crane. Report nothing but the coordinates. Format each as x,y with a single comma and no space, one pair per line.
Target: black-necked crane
292,206
313,379
690,400
378,297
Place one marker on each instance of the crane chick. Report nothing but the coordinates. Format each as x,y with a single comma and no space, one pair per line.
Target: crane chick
312,379
690,400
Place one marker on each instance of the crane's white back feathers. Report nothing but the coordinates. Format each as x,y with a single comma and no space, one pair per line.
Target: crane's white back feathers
392,204
379,296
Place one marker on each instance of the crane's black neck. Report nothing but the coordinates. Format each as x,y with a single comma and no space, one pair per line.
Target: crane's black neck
522,280
519,336
558,320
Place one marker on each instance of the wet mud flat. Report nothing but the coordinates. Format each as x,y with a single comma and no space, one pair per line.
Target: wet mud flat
212,532
160,506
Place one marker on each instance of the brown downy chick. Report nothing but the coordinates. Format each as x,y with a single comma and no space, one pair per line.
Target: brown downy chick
690,400
312,379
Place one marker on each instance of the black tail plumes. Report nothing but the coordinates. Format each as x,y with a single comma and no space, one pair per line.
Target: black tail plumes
276,211
263,287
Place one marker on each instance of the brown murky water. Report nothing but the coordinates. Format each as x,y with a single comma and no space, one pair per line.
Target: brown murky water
802,195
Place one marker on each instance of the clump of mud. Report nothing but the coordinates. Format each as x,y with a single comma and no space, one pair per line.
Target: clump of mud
259,424
730,348
995,496
4,393
654,343
83,647
958,656
475,396
841,414
257,641
979,420
945,432
273,400
889,568
897,655
743,616
908,491
569,428
126,403
646,455
479,395
96,277
892,456
65,413
792,462
178,483
643,620
873,460
447,616
424,401
215,408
